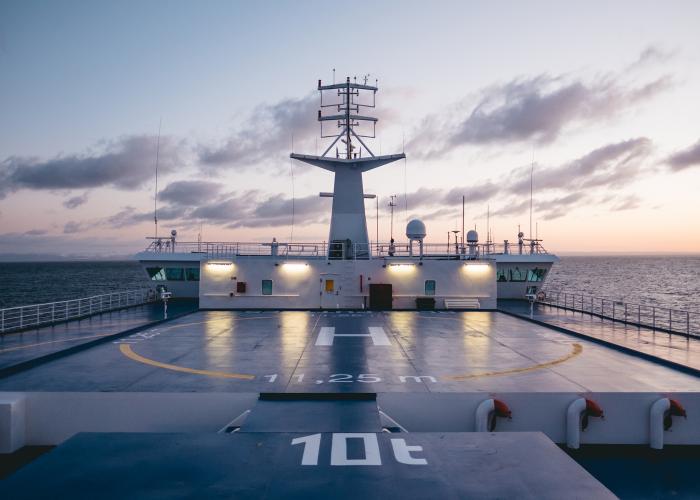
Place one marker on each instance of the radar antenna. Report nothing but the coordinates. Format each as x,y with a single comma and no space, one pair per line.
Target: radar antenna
343,118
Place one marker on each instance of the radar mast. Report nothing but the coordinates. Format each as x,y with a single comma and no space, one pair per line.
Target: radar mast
340,108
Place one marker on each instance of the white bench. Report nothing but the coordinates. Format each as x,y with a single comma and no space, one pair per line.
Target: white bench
462,303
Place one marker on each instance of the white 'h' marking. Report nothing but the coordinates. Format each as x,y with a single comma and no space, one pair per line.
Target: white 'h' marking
376,333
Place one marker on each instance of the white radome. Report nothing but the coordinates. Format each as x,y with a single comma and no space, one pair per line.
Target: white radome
472,236
415,230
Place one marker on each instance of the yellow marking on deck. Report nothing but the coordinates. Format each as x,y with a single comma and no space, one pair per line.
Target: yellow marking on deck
578,349
129,353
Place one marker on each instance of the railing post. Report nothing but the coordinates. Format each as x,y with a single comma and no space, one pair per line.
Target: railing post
21,317
653,317
687,323
670,320
639,314
613,316
625,312
2,321
53,312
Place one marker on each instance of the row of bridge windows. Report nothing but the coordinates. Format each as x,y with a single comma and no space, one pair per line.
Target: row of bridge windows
517,274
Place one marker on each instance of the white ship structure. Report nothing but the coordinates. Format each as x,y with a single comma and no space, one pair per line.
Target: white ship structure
349,271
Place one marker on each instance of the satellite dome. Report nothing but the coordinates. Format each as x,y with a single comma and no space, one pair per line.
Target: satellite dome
415,230
173,233
472,236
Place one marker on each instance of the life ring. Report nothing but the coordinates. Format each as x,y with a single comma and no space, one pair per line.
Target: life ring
541,295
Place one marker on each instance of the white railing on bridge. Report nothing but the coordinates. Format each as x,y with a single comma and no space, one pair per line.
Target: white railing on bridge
22,317
342,251
663,319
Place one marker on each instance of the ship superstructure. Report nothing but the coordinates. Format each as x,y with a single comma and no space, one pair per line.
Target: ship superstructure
349,271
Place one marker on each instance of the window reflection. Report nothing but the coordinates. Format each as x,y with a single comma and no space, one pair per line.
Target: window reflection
174,274
192,273
536,274
156,273
267,287
518,275
430,287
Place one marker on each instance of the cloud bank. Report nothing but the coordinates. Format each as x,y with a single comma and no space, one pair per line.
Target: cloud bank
126,163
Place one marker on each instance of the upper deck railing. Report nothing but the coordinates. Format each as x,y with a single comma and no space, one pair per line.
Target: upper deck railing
659,318
35,315
221,249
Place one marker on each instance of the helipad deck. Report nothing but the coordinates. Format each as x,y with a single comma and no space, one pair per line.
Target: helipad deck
289,351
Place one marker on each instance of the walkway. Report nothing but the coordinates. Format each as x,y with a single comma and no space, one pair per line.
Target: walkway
675,348
31,344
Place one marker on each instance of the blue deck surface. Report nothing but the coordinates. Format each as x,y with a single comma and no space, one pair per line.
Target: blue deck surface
288,351
19,347
269,465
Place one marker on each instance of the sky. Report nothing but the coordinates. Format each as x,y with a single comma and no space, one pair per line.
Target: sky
598,99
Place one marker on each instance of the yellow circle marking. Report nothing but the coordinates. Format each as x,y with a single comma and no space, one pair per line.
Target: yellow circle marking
578,349
129,353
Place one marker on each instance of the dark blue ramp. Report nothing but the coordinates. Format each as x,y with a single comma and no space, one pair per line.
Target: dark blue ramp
271,465
308,412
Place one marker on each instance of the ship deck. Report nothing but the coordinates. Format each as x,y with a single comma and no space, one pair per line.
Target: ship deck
378,352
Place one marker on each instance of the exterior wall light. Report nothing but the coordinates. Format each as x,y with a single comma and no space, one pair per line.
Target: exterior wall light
295,267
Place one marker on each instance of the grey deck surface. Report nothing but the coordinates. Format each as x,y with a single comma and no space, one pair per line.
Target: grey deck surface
279,352
17,347
673,347
268,465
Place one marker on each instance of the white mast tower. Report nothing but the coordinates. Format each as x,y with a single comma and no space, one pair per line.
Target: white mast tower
348,234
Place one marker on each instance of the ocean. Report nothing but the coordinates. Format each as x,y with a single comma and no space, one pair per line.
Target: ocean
665,281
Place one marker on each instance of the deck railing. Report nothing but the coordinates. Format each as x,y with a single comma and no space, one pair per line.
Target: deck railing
665,319
343,251
19,318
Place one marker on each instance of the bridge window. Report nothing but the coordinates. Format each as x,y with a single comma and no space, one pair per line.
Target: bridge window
536,274
267,287
430,287
174,274
501,275
156,273
330,286
192,273
518,275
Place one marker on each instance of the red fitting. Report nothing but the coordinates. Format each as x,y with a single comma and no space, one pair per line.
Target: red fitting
501,409
593,409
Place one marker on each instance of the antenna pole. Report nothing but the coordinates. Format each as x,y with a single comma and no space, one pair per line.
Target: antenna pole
155,194
532,169
347,118
392,204
377,220
463,222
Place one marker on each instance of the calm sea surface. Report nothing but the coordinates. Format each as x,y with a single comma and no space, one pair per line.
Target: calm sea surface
670,281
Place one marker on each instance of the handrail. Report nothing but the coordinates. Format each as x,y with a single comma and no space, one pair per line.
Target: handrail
221,249
34,315
658,318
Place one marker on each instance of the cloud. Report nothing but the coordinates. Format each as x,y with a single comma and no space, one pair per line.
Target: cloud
72,227
75,201
539,108
612,164
534,109
126,163
189,193
559,188
629,203
35,232
267,134
686,158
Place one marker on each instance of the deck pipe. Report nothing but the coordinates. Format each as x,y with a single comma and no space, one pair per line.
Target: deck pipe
485,408
573,423
656,422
